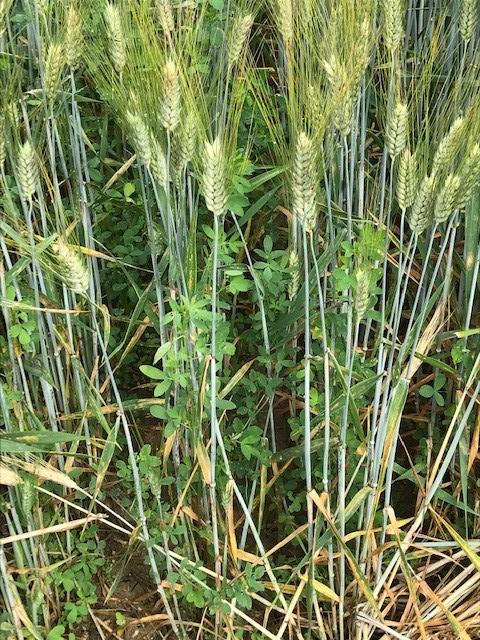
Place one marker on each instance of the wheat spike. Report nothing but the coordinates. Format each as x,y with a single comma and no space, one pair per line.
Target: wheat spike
27,171
468,19
396,131
28,495
165,15
140,137
42,6
448,147
304,182
393,13
285,22
406,179
184,146
73,37
9,477
53,69
170,115
362,292
294,264
158,163
214,177
118,50
420,217
71,267
469,177
48,473
3,133
445,202
12,115
238,36
4,9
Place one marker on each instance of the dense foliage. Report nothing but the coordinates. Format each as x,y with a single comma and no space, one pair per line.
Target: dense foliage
240,364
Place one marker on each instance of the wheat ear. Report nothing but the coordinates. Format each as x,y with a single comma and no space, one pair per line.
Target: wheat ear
140,137
170,113
304,182
118,49
71,267
73,37
27,171
213,177
420,217
406,179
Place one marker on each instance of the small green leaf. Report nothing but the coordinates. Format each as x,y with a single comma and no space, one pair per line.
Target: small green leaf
152,372
217,4
161,351
128,189
426,391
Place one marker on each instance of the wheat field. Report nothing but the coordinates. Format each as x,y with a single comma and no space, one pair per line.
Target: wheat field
240,346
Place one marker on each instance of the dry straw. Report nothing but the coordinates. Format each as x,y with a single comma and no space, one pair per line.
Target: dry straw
304,182
214,177
118,51
170,112
27,170
406,179
9,477
71,267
